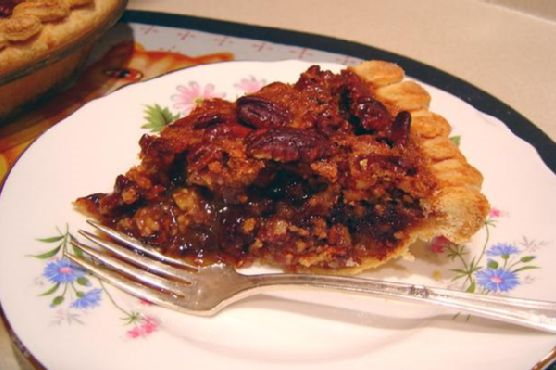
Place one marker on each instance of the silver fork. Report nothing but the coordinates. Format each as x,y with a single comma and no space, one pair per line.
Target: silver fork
172,283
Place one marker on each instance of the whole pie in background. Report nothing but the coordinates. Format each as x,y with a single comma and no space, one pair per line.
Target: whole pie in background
42,42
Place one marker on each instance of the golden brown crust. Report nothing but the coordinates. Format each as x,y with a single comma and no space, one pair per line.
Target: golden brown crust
458,212
457,208
76,3
429,125
39,27
20,28
45,10
456,172
379,73
404,95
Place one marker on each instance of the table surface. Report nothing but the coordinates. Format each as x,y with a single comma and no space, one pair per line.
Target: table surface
503,47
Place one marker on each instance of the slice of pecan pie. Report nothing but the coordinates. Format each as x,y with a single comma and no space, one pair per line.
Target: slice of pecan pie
336,172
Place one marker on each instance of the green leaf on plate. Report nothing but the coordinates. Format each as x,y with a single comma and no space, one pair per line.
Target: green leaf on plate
456,139
491,222
82,281
52,289
471,287
132,318
526,268
52,239
58,300
527,258
158,117
492,264
461,271
50,253
77,251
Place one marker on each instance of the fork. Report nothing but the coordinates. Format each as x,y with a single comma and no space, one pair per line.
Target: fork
144,272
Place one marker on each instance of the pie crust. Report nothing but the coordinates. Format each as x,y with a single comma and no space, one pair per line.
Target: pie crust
368,189
457,209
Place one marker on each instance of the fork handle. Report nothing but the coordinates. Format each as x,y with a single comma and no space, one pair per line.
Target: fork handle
536,314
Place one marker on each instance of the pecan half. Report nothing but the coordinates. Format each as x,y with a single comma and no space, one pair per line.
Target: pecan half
258,112
211,113
287,145
371,114
399,132
208,120
6,8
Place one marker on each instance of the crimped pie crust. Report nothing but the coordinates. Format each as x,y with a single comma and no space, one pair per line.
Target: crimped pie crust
457,209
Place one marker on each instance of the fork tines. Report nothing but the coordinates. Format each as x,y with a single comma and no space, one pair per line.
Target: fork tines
133,270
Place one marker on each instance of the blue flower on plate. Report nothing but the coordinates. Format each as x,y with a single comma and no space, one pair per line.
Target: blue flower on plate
88,300
497,280
502,250
62,271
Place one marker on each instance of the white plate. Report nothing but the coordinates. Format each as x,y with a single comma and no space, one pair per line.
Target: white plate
85,152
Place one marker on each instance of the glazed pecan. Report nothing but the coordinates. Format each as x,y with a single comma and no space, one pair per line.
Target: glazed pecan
287,145
372,115
6,8
208,120
399,132
258,112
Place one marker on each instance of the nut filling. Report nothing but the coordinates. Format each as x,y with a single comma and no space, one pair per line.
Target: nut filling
316,175
6,8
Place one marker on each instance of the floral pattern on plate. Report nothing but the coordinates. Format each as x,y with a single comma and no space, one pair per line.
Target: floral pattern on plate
499,273
74,290
193,94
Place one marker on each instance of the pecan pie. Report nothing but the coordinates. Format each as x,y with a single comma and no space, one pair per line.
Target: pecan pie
43,41
335,173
